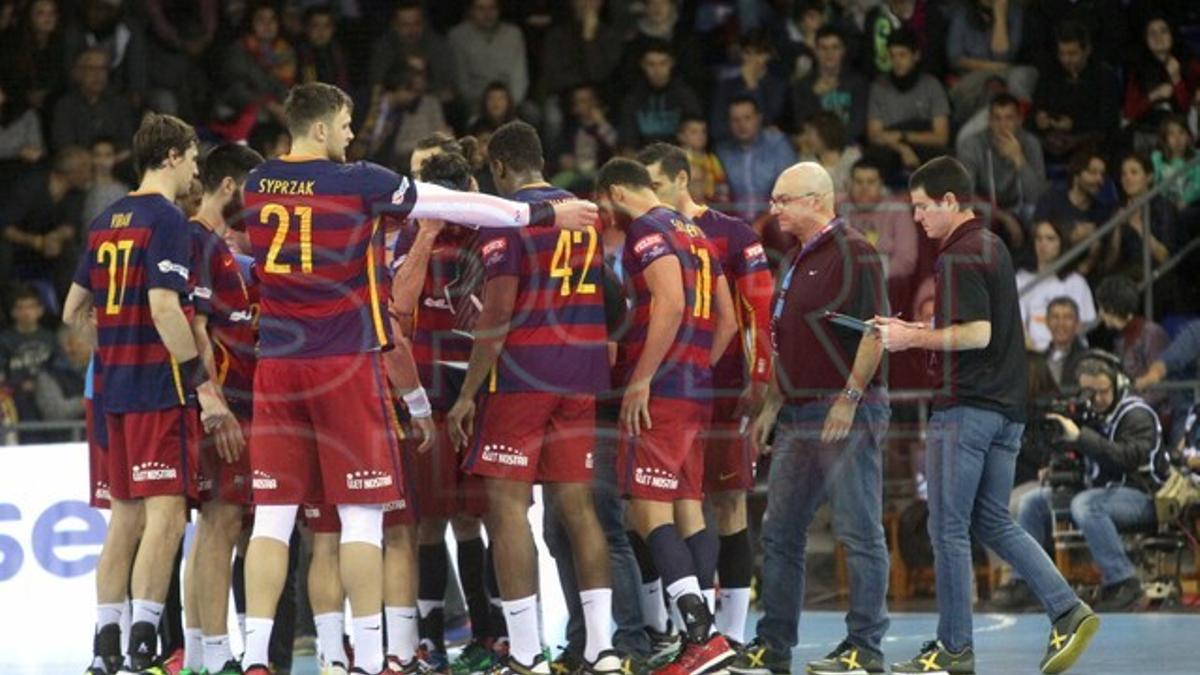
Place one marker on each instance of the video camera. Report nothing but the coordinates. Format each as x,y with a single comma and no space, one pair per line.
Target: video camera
1065,466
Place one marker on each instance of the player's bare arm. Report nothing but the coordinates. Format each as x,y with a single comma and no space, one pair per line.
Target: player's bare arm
725,327
754,292
77,312
491,328
664,280
406,384
230,427
410,276
176,333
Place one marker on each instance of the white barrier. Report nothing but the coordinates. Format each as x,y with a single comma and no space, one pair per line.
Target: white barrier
50,541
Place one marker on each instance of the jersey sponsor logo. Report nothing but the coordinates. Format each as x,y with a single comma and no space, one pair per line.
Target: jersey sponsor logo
149,471
367,480
754,252
166,267
263,481
242,316
204,485
656,478
312,512
395,505
398,195
588,462
437,303
202,292
100,491
503,454
647,242
494,246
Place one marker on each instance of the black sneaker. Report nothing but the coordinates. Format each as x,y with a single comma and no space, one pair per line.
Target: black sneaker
1124,596
935,659
664,647
1014,596
757,658
1069,637
106,651
511,666
567,663
848,658
143,647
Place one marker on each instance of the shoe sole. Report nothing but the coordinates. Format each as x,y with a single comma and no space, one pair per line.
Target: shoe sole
757,671
1067,657
715,664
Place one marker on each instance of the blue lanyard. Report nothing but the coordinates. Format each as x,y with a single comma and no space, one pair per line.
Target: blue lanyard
787,278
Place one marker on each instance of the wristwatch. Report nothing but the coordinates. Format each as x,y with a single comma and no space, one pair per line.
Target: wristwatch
852,394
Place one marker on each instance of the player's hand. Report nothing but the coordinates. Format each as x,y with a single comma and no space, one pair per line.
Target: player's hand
461,422
750,404
216,418
575,214
229,440
635,409
838,420
760,431
423,426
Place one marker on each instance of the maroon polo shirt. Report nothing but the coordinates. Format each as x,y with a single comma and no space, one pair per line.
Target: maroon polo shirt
837,271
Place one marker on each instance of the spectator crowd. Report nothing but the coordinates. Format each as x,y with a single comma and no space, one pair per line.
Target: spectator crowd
1064,111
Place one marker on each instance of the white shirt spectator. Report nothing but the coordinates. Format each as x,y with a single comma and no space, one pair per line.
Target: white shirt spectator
1037,299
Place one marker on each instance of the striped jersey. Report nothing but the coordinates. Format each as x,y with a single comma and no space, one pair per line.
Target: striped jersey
435,343
749,277
557,339
685,372
138,243
318,249
220,293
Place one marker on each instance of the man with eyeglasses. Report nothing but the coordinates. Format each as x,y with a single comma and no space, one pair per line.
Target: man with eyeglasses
831,406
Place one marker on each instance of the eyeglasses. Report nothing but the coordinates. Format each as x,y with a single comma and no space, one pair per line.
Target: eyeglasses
781,201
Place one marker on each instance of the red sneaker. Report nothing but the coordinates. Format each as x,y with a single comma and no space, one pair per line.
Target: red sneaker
704,657
174,663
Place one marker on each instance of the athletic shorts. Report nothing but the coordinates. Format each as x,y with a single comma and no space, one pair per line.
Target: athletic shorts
728,454
323,518
221,480
153,454
324,432
97,442
665,463
440,486
534,437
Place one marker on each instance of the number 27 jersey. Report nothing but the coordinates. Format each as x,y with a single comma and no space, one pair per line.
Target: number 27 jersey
140,242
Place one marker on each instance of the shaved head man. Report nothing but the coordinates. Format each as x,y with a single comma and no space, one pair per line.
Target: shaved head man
829,411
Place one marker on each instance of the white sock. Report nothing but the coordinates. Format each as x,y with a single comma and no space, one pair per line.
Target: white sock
688,585
597,618
148,611
126,622
710,599
216,652
258,642
654,610
108,614
731,614
368,642
241,624
193,648
524,641
331,628
401,632
426,607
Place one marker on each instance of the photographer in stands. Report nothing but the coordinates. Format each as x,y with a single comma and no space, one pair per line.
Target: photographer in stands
1124,460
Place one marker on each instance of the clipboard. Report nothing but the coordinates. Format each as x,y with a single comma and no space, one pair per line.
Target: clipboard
847,321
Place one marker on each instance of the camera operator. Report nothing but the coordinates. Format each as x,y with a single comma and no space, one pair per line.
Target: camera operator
1123,462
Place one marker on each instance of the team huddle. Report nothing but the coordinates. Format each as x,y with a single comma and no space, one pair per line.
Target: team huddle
389,356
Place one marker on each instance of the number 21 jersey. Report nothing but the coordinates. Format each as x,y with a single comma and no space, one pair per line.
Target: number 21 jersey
140,242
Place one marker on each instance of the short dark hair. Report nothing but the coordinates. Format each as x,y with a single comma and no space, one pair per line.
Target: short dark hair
23,292
657,45
756,40
157,136
68,154
1004,100
830,128
1082,159
1118,295
516,145
744,98
941,176
624,172
229,160
447,169
671,158
466,146
867,164
319,10
1073,31
904,37
309,103
830,30
689,118
1064,300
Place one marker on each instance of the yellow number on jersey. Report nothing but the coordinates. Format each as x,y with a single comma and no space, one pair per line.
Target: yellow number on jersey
702,307
280,212
115,255
560,262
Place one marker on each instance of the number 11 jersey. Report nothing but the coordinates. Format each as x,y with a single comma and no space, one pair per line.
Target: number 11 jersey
140,242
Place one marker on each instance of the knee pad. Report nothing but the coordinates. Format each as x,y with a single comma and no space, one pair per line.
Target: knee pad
361,524
274,522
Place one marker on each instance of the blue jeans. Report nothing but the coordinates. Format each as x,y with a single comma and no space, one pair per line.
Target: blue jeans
804,472
970,459
630,637
1100,513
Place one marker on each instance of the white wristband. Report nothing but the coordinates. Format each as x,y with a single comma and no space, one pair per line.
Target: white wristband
418,403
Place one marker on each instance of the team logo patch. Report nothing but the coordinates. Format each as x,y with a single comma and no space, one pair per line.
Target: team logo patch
494,246
202,292
401,191
647,242
753,251
166,267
